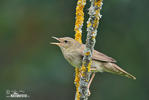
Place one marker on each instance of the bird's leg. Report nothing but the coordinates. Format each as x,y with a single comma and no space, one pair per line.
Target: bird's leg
92,77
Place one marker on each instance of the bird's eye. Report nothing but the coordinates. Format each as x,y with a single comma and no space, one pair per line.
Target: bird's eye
66,41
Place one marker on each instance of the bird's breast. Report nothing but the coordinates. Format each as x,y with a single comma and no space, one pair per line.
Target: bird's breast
73,58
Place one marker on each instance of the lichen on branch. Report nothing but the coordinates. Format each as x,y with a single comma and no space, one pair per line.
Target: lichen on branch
83,74
78,37
79,19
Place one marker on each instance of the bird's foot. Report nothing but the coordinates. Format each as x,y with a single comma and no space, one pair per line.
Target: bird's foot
89,93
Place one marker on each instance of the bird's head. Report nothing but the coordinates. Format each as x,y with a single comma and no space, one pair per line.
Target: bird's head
66,43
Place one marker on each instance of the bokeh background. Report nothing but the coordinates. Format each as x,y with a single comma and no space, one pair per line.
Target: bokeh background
29,63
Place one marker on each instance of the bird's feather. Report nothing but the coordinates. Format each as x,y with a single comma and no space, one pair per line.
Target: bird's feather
97,55
115,69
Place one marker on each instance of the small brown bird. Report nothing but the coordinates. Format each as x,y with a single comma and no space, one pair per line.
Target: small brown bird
73,53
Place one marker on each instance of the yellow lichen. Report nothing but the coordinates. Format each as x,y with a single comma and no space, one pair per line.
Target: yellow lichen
78,37
77,75
87,53
89,66
98,3
79,20
77,79
93,37
83,69
95,22
89,24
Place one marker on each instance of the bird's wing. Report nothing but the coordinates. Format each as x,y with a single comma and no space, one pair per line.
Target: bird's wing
98,56
102,57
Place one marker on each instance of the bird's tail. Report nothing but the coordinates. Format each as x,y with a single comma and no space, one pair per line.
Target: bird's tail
113,68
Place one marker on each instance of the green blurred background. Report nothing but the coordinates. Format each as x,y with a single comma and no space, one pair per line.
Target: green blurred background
28,62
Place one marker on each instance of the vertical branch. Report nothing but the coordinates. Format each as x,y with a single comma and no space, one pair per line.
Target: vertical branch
78,35
92,25
79,20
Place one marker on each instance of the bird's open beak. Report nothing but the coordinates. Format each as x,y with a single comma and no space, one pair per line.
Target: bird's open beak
55,42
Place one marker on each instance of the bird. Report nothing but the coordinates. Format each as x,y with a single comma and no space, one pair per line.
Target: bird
73,52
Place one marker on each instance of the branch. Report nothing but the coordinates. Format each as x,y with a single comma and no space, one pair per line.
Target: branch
78,35
79,20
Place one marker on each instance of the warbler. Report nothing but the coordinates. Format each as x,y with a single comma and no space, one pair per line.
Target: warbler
73,52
